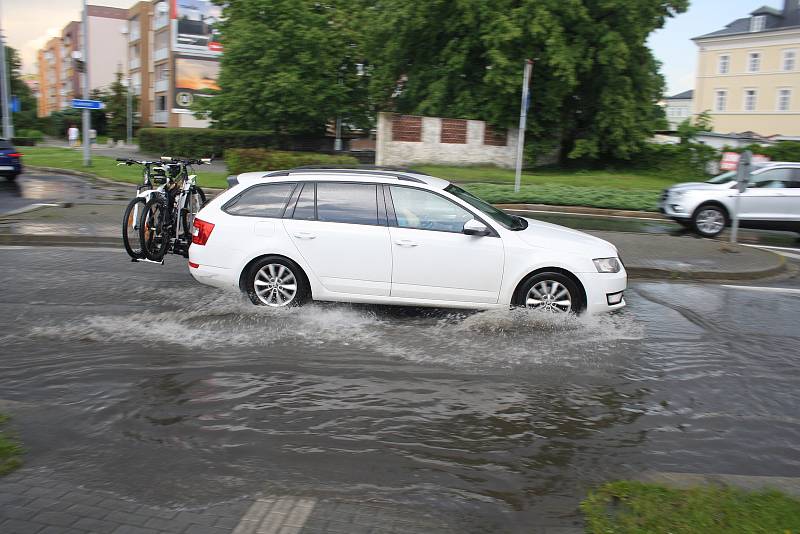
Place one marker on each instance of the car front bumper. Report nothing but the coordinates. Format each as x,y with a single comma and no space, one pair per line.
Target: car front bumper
599,286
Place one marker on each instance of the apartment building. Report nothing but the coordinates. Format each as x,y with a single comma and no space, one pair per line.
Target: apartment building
59,80
749,73
173,59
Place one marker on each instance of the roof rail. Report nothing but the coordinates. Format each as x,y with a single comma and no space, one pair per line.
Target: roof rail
302,170
388,168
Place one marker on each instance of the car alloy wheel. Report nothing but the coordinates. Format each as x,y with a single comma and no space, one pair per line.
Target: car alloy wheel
710,221
275,285
550,296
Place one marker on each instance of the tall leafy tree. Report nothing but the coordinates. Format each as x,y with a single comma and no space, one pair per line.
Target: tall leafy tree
116,108
595,83
26,117
289,66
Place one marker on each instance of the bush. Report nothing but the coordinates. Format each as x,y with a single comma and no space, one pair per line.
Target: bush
782,151
681,161
200,142
34,134
258,159
23,141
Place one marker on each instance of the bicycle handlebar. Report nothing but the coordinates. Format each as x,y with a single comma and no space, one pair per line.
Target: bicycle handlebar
171,159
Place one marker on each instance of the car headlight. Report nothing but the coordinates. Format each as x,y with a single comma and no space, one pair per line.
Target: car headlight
607,265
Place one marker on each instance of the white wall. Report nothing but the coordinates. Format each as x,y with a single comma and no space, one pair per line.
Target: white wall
431,150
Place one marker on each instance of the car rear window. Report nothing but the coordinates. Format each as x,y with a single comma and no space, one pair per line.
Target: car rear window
261,201
5,145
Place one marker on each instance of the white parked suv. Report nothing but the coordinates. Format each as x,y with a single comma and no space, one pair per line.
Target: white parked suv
393,237
771,202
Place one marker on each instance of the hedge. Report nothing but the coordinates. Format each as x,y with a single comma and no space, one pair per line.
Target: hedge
200,142
258,159
781,151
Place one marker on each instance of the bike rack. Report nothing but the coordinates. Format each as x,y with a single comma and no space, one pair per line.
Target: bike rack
145,260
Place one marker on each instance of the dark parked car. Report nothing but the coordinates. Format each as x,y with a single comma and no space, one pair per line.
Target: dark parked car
10,160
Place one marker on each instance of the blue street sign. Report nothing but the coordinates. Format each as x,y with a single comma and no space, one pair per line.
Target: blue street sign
78,103
15,107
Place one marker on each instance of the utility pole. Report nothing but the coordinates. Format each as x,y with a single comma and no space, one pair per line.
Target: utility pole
742,180
129,125
523,118
8,124
87,118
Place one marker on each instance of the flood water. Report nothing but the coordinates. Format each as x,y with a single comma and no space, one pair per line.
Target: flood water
167,392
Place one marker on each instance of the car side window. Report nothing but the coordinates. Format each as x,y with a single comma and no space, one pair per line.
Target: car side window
304,210
267,200
347,203
423,210
773,178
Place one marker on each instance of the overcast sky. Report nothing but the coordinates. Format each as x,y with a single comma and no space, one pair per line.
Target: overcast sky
30,23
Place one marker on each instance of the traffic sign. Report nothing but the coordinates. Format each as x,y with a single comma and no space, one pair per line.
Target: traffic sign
79,103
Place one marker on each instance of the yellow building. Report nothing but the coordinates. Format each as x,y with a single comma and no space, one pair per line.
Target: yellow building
748,73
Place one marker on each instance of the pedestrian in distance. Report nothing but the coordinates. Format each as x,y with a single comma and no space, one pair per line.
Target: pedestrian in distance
72,135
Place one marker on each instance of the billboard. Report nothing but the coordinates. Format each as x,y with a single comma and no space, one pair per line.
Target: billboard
194,78
193,27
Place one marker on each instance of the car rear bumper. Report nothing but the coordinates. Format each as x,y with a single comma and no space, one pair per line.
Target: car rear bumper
213,276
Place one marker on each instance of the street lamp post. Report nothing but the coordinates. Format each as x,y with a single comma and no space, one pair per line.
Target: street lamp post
523,117
128,95
8,125
87,119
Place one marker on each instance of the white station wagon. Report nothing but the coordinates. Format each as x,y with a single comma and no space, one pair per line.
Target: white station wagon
387,236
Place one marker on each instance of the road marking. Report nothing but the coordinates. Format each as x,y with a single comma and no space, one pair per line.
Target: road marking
273,514
779,250
766,289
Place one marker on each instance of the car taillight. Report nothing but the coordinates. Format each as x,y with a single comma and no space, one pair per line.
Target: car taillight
15,155
201,231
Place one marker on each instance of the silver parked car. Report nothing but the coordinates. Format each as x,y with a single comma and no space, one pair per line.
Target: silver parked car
771,202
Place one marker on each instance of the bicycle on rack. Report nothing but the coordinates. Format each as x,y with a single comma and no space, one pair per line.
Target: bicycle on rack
130,220
165,223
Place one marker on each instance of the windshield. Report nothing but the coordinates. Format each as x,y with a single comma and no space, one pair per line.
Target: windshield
512,222
723,178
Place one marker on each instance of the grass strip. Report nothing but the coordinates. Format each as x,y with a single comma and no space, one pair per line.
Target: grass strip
10,450
567,195
103,166
629,507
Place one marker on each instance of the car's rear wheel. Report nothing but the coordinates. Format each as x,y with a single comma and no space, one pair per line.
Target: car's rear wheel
276,282
550,292
11,177
709,220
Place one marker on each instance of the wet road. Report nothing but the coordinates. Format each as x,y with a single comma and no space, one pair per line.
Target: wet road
134,379
42,188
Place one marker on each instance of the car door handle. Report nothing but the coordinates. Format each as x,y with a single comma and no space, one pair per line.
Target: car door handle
406,243
304,235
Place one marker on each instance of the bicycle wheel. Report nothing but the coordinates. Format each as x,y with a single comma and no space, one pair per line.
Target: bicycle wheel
197,199
130,228
152,229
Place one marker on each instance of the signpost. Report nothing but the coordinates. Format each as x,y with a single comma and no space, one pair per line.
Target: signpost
79,103
523,117
742,179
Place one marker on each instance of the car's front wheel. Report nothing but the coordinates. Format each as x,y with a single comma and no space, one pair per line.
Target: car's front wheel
276,282
709,220
551,292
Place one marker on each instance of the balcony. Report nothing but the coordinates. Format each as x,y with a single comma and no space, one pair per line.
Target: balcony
135,63
161,53
160,117
160,21
162,86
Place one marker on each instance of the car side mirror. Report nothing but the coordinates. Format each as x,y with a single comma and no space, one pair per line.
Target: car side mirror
476,228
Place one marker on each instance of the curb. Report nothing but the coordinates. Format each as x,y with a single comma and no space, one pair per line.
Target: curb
29,208
90,176
633,272
584,210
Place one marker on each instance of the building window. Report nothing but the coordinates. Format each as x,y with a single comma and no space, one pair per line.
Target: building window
724,64
758,23
721,103
784,99
789,59
161,103
754,62
750,99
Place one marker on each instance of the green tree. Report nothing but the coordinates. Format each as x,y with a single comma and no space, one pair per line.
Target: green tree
595,84
116,108
688,129
289,66
26,118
